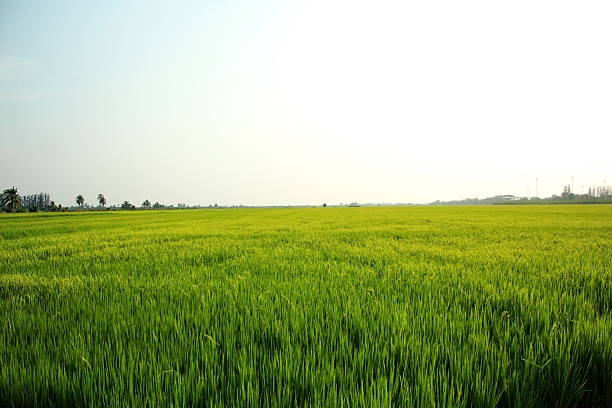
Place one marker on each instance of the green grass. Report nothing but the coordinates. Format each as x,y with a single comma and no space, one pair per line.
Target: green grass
415,306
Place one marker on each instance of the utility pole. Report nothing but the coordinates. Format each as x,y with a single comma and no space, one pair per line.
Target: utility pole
536,187
572,184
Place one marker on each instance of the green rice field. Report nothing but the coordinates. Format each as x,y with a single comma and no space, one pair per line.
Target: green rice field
482,306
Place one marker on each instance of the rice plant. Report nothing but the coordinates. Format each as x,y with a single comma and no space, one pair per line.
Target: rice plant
335,307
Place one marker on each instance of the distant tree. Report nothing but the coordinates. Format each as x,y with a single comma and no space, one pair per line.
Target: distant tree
146,204
127,206
604,192
80,200
324,204
10,200
101,200
157,205
566,192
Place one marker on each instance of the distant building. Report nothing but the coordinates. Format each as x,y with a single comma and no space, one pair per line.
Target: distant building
506,197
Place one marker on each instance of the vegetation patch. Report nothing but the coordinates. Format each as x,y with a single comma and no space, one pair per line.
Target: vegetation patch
482,306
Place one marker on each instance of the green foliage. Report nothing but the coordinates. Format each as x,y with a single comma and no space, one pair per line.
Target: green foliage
10,200
126,205
403,306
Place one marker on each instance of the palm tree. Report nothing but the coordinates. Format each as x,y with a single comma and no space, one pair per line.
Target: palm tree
146,204
101,200
80,200
10,199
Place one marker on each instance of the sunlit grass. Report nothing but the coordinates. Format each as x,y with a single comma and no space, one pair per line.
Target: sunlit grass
461,306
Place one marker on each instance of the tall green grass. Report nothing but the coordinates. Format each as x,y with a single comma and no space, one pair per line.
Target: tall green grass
415,306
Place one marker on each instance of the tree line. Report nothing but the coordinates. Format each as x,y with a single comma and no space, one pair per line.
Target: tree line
126,205
594,192
11,201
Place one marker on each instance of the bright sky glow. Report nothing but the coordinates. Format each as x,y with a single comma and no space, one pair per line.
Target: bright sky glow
276,102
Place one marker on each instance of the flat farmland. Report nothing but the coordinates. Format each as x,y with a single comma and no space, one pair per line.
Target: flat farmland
482,306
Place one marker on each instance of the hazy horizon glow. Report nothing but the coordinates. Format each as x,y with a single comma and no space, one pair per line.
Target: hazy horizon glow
263,103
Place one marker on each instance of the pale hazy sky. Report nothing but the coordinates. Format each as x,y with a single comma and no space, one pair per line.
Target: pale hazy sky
278,102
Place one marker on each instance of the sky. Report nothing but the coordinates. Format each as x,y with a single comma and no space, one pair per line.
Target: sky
304,102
